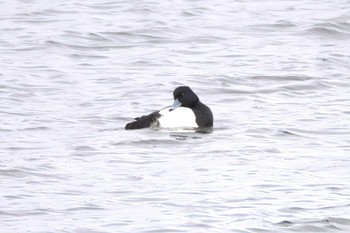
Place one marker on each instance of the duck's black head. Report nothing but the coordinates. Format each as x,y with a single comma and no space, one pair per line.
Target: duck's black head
185,96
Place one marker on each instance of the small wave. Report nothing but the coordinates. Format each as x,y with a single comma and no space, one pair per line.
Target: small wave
306,133
282,78
85,47
38,128
20,213
23,172
274,27
320,225
331,29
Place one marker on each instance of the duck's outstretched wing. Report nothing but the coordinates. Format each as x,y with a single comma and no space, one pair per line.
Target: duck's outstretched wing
150,120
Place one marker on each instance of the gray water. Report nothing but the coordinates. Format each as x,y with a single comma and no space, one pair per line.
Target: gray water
275,74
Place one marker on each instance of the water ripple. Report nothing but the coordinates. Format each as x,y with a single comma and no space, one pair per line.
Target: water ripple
276,76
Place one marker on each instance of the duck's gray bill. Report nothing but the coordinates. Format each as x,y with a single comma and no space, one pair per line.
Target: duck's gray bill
176,104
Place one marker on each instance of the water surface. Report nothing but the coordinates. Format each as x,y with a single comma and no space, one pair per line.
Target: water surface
276,76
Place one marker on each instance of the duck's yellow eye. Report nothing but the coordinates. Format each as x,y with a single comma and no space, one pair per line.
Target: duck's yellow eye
182,94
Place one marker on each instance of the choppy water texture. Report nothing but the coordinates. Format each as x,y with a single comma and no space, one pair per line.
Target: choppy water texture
275,74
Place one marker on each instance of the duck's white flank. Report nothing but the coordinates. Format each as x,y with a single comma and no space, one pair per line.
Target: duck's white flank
179,117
